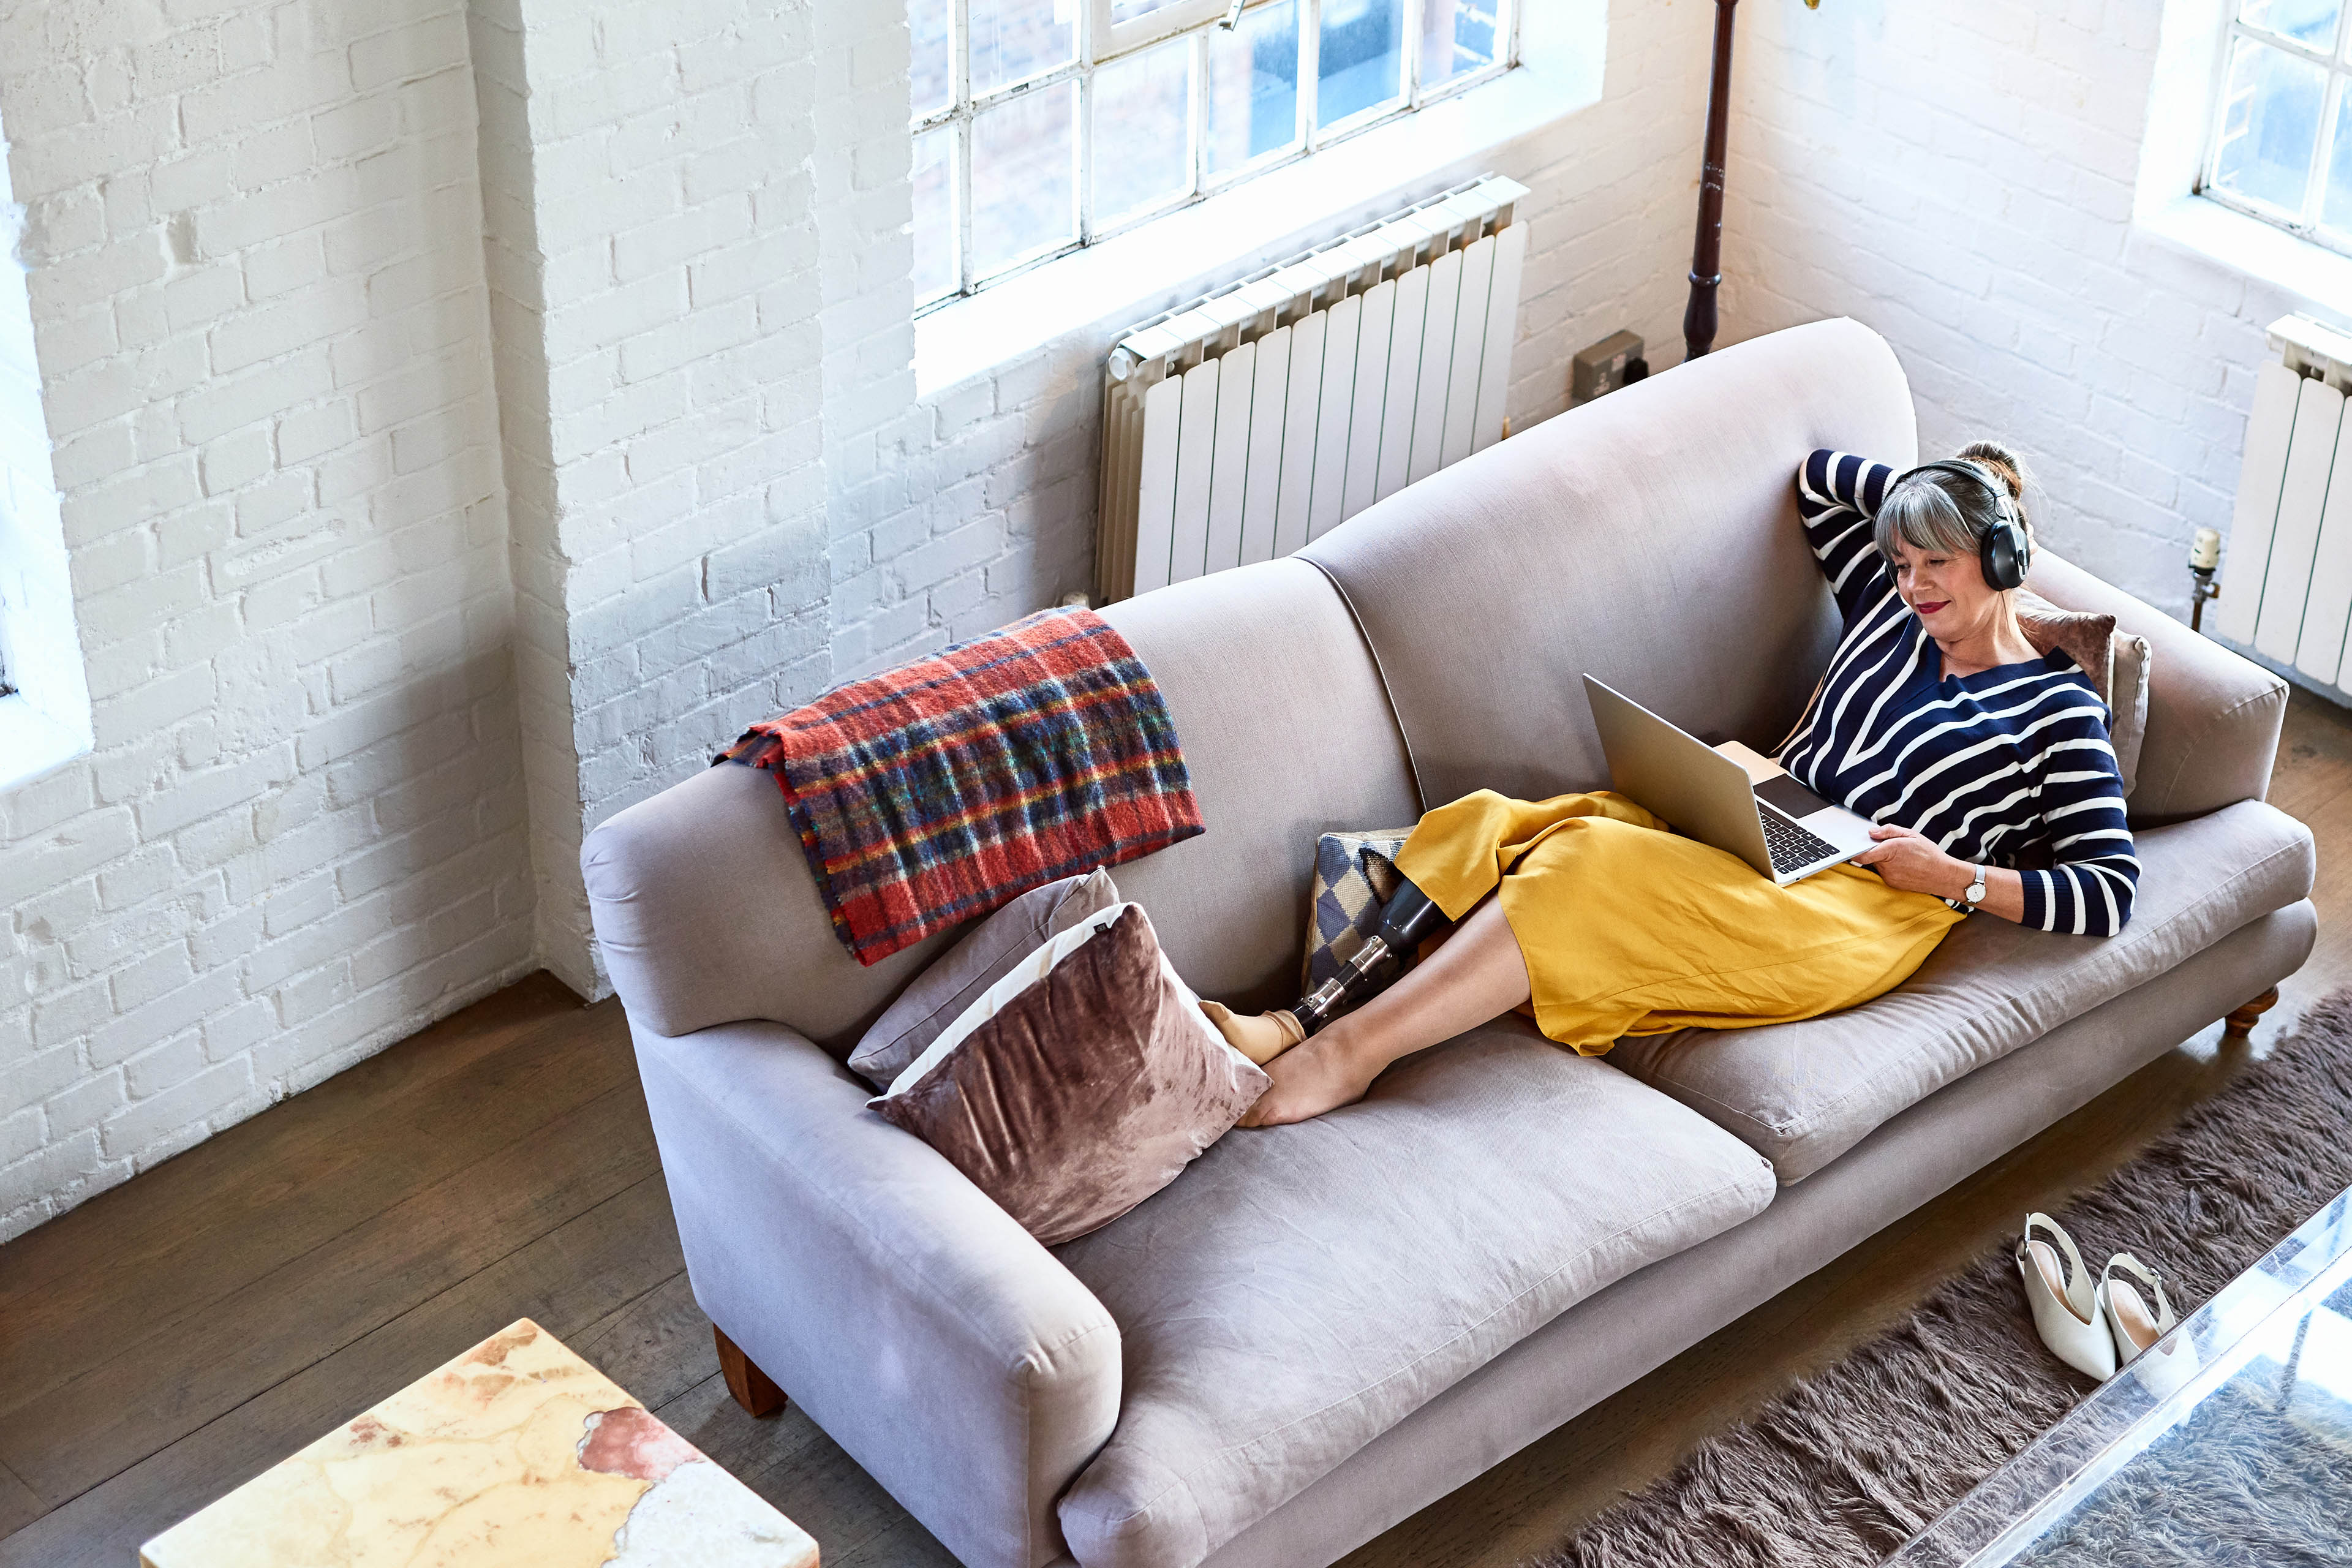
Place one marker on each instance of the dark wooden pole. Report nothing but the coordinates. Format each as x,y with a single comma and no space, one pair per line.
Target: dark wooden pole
1706,251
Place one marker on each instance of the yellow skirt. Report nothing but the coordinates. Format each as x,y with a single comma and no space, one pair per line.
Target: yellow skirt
1630,928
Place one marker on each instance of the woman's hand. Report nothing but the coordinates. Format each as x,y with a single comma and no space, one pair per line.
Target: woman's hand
1911,863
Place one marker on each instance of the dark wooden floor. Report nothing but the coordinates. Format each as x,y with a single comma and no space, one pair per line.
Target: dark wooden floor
177,1335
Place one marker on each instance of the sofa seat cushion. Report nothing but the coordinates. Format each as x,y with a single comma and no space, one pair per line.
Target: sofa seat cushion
1802,1094
1300,1290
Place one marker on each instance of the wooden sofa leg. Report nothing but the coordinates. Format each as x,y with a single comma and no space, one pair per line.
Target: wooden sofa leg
2242,1018
754,1390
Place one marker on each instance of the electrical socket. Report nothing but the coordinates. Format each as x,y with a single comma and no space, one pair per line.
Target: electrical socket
1615,361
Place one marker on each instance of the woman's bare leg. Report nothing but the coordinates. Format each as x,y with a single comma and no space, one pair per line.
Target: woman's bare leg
1477,974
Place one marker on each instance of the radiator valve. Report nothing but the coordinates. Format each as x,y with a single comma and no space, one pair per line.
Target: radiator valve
2204,555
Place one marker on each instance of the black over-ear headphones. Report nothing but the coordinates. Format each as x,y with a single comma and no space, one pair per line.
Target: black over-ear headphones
2004,552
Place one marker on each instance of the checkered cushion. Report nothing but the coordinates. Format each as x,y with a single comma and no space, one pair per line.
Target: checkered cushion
1355,875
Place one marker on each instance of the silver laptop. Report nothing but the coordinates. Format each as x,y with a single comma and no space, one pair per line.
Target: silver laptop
1772,821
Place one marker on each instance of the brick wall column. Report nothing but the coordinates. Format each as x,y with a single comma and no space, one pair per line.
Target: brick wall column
659,209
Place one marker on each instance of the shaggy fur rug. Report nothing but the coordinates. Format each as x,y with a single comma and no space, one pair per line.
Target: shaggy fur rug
2239,1484
1847,1466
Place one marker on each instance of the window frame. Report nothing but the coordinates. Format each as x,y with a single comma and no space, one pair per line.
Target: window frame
1180,17
2335,60
1196,21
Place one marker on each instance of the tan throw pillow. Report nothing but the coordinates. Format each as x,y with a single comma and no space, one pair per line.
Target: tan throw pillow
2128,701
2116,663
1079,1084
979,960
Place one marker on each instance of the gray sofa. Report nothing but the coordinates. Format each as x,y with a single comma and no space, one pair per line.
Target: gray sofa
1317,1331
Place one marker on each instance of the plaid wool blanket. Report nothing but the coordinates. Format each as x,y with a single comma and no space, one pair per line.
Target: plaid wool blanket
937,791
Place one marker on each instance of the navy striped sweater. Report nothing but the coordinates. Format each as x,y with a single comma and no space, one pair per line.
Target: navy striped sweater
2011,766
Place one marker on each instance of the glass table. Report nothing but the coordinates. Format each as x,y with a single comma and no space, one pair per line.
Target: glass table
2229,1442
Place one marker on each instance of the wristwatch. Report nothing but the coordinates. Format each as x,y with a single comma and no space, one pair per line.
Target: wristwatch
1976,893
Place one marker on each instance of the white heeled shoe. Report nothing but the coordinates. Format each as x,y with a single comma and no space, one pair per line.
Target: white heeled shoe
2134,1328
2066,1301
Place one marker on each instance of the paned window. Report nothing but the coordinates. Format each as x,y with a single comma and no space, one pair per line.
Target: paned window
2282,148
1044,125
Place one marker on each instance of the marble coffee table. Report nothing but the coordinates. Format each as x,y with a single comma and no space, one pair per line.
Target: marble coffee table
516,1453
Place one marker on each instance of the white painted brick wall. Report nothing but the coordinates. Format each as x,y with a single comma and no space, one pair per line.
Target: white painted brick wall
1961,178
655,192
980,506
872,416
256,288
371,645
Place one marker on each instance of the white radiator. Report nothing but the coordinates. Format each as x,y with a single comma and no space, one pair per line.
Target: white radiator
2286,588
1239,428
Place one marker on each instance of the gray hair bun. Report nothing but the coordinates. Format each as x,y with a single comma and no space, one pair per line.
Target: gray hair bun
2012,472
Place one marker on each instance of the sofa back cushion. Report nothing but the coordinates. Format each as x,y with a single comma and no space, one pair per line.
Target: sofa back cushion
1288,736
705,911
1650,538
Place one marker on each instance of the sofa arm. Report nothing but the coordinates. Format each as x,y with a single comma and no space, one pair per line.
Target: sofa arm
2213,718
930,1335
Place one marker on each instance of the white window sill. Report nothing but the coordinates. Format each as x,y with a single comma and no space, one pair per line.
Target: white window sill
2206,229
31,743
1107,287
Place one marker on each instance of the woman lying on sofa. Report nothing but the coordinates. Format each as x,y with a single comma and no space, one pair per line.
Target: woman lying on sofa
1936,720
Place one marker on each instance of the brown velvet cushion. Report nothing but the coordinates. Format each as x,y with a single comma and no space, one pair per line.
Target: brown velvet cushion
2115,662
985,955
1083,1092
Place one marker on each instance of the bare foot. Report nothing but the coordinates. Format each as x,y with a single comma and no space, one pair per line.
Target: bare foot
1309,1080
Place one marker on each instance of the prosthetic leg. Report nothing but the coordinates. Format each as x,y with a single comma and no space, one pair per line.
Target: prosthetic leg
1406,921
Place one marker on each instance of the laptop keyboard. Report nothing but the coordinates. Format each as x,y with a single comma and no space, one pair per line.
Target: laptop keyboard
1792,848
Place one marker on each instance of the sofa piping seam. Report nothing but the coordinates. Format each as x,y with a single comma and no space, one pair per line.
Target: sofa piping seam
1380,674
